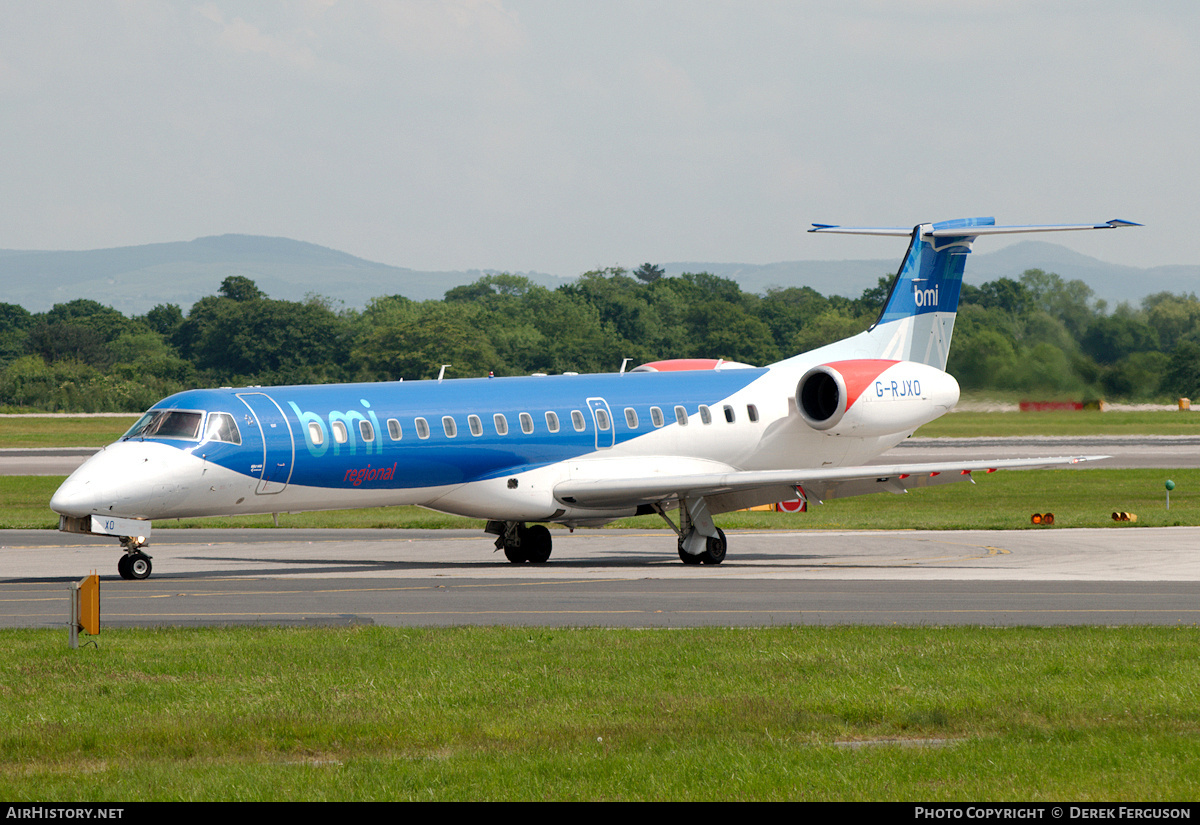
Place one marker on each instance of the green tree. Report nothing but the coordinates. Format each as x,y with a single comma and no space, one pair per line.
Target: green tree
1182,375
15,322
649,273
415,345
240,288
1110,338
165,319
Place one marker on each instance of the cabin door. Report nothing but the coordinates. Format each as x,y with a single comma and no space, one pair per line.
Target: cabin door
279,446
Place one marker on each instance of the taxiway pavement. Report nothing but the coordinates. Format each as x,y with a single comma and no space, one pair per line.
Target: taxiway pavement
617,578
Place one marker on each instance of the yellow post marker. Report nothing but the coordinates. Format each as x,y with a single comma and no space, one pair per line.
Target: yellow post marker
85,608
89,605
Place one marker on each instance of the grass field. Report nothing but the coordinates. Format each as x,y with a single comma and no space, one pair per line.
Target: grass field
63,432
999,501
936,714
1083,422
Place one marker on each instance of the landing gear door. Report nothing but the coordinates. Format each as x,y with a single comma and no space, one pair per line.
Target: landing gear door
606,429
279,446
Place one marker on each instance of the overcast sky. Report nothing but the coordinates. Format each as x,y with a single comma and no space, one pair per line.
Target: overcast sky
562,136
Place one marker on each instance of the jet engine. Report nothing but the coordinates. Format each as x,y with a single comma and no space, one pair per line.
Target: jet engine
873,397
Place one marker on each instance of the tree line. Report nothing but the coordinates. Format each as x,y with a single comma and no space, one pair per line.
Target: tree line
1037,334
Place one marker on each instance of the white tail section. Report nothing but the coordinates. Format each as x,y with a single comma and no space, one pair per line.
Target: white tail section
917,321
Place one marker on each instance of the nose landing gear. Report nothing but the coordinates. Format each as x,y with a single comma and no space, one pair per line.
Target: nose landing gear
135,564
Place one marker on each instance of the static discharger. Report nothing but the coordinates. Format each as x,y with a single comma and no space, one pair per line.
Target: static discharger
1042,518
85,608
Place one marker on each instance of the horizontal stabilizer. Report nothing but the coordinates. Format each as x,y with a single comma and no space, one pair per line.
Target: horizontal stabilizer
941,231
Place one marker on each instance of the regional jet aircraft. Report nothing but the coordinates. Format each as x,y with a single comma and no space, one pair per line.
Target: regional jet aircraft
568,449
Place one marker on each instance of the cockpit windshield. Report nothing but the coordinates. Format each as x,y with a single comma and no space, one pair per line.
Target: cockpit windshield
167,424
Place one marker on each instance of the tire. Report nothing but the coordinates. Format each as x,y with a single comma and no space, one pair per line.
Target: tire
686,557
714,553
537,544
123,566
139,566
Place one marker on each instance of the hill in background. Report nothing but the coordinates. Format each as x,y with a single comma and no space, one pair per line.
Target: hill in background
135,279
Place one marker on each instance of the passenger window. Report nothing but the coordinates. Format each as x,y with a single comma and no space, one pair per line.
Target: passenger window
552,421
368,432
681,416
449,426
422,427
656,417
602,420
526,423
577,421
475,424
316,433
631,419
705,415
394,429
729,413
339,432
752,412
501,424
222,427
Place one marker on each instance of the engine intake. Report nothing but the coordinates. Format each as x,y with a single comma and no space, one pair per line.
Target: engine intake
821,397
873,397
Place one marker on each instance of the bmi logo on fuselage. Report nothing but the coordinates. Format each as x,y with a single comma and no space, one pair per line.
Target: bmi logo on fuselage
345,428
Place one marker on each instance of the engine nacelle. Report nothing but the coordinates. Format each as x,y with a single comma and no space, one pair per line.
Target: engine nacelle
874,397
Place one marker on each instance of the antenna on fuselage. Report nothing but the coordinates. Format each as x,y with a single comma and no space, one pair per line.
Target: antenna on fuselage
442,372
624,361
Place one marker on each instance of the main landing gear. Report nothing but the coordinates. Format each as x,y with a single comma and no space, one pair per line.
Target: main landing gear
713,553
521,543
135,564
700,541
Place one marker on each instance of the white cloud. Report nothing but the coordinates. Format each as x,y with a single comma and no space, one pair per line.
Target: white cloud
239,35
448,28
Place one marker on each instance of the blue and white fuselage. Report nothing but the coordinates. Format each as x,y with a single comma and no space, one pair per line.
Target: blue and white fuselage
573,449
485,448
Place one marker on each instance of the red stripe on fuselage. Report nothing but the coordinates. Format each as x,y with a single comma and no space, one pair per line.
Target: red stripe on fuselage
858,375
681,364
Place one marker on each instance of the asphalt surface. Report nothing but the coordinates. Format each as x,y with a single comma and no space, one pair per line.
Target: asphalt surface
1126,452
625,578
633,578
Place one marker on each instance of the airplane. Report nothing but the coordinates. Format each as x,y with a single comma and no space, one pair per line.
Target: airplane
697,437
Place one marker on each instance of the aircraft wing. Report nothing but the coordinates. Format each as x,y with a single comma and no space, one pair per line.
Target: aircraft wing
735,490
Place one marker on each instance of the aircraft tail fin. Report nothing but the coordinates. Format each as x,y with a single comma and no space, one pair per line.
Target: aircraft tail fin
918,317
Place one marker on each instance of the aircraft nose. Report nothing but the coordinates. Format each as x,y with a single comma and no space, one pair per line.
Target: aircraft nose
128,479
77,496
